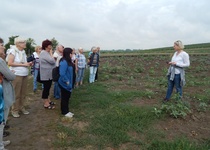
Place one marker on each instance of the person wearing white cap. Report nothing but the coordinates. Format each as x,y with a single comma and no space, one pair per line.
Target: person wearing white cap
17,61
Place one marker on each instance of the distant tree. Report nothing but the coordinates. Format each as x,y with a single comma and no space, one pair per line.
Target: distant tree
11,41
30,46
54,43
30,43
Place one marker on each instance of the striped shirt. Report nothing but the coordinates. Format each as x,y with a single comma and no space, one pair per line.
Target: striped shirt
81,60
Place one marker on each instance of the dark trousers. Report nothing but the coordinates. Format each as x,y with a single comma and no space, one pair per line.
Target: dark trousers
74,76
96,76
65,98
46,90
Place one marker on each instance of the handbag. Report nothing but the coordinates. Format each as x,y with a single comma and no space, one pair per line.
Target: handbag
55,74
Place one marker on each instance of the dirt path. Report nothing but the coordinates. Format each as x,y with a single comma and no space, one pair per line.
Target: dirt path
36,130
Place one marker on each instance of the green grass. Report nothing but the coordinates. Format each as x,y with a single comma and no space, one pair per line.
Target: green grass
110,120
178,144
110,117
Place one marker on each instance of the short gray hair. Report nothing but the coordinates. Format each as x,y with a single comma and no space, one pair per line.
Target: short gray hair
80,48
179,44
93,48
19,39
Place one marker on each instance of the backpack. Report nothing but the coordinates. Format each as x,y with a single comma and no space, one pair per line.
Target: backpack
55,74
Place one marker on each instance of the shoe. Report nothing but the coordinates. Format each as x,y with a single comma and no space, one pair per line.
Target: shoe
56,97
77,86
165,100
24,111
6,142
6,133
49,107
15,114
52,103
6,127
69,115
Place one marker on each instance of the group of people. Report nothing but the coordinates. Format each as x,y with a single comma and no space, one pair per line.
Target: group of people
14,70
71,65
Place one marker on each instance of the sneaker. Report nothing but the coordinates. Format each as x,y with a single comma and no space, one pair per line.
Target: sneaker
69,115
24,111
6,142
15,114
6,127
6,133
165,100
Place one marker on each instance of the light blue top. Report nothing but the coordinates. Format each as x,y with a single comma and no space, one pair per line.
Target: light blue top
81,60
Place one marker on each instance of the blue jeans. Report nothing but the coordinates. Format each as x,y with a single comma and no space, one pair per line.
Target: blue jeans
176,82
57,90
80,74
35,82
35,76
93,70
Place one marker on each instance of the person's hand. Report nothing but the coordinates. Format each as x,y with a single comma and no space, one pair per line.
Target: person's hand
13,71
31,63
51,52
172,63
27,64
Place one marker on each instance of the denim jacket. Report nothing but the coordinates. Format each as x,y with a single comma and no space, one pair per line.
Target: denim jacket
66,75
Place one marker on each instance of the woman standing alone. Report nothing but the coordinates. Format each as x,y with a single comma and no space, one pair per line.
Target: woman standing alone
176,73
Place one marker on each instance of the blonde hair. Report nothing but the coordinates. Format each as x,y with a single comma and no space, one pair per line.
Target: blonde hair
179,44
37,48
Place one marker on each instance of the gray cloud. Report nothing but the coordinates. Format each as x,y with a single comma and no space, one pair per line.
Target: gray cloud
111,24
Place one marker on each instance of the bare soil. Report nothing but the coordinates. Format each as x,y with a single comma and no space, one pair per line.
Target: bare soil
35,131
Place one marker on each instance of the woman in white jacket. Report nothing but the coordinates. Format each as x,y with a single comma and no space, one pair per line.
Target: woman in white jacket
176,73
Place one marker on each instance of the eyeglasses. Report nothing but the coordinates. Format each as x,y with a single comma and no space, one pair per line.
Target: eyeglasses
22,42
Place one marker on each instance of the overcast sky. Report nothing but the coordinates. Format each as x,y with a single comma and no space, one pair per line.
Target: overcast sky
110,24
